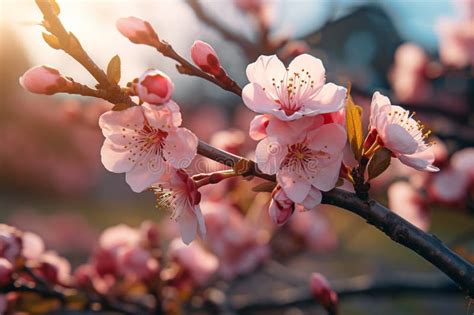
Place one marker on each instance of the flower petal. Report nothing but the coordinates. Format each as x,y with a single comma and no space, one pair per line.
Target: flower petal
313,199
187,226
421,161
115,157
180,148
329,138
258,127
398,140
330,98
269,154
120,122
257,100
326,177
146,173
310,64
295,187
264,69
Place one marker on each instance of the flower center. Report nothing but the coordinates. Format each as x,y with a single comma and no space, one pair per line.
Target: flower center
414,127
293,90
148,140
302,160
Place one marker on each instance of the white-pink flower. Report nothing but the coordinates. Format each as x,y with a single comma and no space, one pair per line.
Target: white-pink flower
155,87
44,80
137,30
306,161
178,193
394,128
293,92
406,201
200,264
145,142
6,271
281,207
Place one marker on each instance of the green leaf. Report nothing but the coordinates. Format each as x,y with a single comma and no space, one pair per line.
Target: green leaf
264,187
113,69
51,40
379,163
355,133
120,106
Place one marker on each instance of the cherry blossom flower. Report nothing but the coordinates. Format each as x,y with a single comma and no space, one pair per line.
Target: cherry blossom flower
137,30
44,80
178,193
145,142
406,201
118,236
394,128
32,245
323,292
205,57
306,162
293,92
137,262
197,262
10,242
54,268
6,270
456,42
155,87
281,207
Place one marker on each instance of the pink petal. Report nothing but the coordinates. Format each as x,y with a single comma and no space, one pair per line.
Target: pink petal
257,100
113,122
313,199
330,138
295,187
308,63
159,116
421,161
326,177
378,101
330,98
269,154
398,140
187,226
115,157
258,127
180,148
264,69
146,173
450,185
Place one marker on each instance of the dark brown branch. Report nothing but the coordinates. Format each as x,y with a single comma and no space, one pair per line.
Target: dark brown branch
347,288
226,33
398,229
185,67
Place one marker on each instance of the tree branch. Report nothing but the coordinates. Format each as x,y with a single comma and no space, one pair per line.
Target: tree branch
398,229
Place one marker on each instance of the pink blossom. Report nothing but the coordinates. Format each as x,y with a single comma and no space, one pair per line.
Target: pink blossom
293,92
137,262
462,161
281,207
137,30
323,292
33,245
44,80
118,236
396,130
235,241
10,242
205,57
314,228
230,140
149,234
145,142
155,87
408,73
405,201
54,268
305,162
258,127
6,271
197,262
178,193
83,276
450,185
456,42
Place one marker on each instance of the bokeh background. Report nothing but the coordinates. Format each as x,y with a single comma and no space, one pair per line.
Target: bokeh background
52,181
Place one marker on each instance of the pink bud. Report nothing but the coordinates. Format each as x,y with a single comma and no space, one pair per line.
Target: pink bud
84,275
149,234
53,268
137,30
205,57
281,207
6,270
323,293
44,80
155,87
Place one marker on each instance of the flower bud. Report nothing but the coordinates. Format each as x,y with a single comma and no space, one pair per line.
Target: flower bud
323,293
83,276
281,207
6,270
155,87
44,80
137,30
205,57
